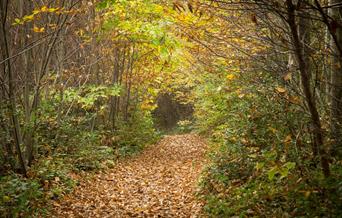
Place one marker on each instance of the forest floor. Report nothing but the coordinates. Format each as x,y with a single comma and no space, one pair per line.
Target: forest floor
159,182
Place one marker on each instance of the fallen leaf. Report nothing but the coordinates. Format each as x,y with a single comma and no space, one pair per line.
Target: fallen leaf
280,89
38,30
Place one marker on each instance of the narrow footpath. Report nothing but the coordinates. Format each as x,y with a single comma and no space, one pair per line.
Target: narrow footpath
159,182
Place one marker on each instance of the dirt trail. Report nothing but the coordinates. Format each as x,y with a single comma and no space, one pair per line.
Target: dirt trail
159,182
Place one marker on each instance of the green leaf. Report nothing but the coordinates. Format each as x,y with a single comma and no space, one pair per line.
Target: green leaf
114,91
284,172
290,165
259,166
17,21
272,172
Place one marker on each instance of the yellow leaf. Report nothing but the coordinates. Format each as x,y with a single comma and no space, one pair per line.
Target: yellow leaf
36,12
81,32
230,76
38,30
280,89
53,26
51,10
44,9
28,17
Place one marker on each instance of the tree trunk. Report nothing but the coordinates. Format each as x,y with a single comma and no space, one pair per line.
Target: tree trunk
305,80
336,84
5,54
25,7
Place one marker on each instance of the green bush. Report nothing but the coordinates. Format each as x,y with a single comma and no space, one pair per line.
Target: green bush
137,131
19,197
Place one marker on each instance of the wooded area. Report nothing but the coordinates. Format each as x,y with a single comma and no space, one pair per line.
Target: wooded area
86,85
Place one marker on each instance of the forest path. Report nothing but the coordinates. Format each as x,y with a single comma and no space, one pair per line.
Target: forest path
159,182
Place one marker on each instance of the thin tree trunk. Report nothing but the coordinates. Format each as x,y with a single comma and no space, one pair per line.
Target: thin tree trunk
336,85
11,86
112,114
129,83
305,79
25,7
304,26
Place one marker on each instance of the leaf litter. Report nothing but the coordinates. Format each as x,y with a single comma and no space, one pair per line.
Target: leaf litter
159,182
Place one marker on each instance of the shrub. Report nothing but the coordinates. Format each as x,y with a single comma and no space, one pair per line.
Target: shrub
19,197
261,158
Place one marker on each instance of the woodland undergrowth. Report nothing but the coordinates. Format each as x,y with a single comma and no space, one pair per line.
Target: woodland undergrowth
67,151
260,166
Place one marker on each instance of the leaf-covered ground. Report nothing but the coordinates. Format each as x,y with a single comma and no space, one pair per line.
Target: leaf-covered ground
159,182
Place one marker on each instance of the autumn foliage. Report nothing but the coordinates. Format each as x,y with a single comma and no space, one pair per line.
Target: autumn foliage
86,85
